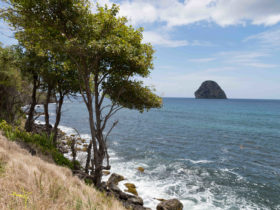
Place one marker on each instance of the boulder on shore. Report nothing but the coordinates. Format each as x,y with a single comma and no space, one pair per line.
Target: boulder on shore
115,179
172,204
210,90
131,188
141,169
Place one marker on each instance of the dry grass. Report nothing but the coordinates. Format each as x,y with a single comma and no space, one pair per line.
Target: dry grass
27,182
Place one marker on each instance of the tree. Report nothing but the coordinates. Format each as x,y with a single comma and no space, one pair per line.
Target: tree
59,79
48,85
31,65
67,84
12,85
107,54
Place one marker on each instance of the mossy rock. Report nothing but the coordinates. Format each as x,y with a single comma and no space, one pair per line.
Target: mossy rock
141,169
106,173
84,149
131,188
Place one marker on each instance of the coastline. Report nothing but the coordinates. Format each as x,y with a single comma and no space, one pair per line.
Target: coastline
119,189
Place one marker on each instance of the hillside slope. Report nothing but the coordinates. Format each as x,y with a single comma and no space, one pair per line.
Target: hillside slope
28,182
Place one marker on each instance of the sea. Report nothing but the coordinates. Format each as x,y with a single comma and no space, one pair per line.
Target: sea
209,154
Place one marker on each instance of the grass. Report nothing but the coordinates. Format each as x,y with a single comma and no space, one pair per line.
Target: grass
28,182
2,167
40,141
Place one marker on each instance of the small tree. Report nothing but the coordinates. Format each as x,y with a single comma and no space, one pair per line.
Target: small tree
32,65
12,85
59,79
113,56
67,84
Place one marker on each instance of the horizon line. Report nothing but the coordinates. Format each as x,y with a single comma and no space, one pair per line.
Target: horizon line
275,99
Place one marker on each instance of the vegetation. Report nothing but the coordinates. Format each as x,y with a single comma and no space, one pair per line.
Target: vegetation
28,182
41,141
95,53
13,88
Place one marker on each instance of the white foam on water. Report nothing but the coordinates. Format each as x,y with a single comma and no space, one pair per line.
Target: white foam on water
86,137
39,122
194,196
150,187
68,130
197,161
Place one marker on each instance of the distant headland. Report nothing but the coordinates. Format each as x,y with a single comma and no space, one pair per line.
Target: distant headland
210,90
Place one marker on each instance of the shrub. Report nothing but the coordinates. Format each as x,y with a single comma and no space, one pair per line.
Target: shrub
41,141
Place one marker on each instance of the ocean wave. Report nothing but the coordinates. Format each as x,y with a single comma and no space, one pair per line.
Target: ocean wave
197,161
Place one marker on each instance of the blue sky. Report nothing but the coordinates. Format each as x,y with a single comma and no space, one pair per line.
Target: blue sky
234,42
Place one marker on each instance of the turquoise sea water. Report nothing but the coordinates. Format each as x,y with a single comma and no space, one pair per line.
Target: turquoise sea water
211,154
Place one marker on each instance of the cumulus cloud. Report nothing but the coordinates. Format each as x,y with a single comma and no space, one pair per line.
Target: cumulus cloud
221,12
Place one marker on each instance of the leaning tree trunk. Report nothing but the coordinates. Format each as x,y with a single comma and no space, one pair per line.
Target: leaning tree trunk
46,110
96,163
93,140
58,117
29,122
97,173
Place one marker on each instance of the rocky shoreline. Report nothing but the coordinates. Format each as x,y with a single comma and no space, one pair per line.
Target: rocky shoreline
73,144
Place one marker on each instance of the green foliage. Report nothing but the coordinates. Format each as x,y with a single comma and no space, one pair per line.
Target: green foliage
98,43
88,181
121,56
79,204
42,142
132,94
2,167
12,85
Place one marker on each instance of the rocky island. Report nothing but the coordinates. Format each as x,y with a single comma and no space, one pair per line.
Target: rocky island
210,90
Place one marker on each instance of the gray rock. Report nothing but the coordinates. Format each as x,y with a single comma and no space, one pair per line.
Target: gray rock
140,208
210,90
172,204
114,188
114,179
136,200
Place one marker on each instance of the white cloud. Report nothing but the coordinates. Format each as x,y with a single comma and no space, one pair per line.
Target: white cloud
221,12
246,58
202,60
163,39
270,38
139,12
262,65
159,39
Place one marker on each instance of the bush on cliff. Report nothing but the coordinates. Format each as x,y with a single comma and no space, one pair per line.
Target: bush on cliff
40,141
